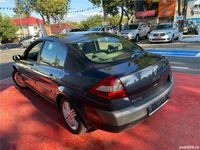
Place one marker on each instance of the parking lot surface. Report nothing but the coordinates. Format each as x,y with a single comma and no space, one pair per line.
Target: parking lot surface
30,122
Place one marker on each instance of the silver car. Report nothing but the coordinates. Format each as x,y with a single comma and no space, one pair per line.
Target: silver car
165,32
27,41
135,31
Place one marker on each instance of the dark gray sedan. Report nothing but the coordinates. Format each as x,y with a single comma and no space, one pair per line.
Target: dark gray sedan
97,80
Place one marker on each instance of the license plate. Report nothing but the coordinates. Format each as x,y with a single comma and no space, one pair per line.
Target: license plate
155,106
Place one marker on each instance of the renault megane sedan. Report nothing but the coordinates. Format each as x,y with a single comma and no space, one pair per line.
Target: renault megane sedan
96,80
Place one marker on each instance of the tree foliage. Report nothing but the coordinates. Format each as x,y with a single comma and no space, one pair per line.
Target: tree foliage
48,9
7,29
92,21
114,7
97,20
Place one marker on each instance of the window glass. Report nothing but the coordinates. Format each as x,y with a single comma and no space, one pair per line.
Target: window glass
61,56
164,26
33,53
107,49
130,27
53,54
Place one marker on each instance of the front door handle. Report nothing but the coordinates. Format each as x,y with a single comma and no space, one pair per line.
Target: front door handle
51,76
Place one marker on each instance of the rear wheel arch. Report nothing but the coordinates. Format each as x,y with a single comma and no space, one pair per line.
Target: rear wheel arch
59,99
80,110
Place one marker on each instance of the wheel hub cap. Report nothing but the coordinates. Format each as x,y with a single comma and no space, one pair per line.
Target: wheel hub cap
70,116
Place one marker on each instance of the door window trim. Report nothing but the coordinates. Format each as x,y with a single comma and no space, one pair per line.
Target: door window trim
26,52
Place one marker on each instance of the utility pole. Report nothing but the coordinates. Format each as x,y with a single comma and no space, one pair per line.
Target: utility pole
104,11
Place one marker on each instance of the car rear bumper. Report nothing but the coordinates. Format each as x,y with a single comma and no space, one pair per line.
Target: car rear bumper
116,121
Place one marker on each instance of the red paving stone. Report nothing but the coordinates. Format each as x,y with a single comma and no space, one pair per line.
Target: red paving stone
29,122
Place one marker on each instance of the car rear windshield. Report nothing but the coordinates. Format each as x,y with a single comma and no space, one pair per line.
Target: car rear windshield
107,49
164,26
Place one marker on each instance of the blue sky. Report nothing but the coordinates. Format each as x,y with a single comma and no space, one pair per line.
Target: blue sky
75,5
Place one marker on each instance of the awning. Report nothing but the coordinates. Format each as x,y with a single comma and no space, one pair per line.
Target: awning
146,13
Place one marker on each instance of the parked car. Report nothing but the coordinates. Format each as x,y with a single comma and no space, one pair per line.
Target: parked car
25,42
165,32
97,80
187,28
135,31
195,10
108,29
73,30
197,28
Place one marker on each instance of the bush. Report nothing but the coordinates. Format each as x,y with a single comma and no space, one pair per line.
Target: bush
7,29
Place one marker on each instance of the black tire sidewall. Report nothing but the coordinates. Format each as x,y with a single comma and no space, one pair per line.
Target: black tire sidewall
137,38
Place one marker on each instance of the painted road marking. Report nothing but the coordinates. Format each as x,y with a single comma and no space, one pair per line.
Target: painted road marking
177,67
177,53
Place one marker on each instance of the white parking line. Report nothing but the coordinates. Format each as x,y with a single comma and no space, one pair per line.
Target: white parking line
177,67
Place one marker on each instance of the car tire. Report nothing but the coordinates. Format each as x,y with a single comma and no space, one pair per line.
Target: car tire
71,117
137,38
18,79
172,40
147,36
192,13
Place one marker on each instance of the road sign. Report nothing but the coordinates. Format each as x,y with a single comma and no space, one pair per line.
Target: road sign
178,18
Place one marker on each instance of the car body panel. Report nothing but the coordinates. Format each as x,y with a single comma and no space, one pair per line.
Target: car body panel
146,79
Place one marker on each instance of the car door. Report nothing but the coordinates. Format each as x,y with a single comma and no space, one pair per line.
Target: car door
176,30
49,67
28,62
140,30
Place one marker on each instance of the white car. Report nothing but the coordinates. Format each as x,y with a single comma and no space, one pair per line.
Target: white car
135,31
27,41
195,10
165,32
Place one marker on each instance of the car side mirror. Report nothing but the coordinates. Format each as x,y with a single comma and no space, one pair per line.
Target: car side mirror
17,57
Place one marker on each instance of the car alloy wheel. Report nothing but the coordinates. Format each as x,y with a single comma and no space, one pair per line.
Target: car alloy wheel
71,117
19,79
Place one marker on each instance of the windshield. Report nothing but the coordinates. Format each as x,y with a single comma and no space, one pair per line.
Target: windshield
95,29
164,26
130,27
107,49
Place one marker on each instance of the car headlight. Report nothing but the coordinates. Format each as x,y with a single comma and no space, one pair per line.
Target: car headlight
168,33
131,34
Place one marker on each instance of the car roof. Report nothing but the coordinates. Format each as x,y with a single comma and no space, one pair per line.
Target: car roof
73,37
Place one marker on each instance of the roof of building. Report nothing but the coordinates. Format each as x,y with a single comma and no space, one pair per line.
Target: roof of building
28,20
56,28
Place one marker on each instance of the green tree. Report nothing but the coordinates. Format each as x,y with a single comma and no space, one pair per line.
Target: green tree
7,28
22,8
114,7
92,21
48,9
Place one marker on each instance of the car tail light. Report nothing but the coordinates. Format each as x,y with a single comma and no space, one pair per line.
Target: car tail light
109,88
